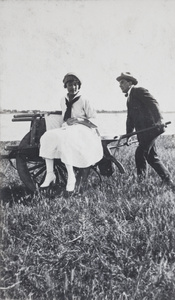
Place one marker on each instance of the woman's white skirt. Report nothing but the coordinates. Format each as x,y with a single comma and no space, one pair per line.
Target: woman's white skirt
75,145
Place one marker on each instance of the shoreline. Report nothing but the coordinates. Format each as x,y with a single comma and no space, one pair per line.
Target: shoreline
18,141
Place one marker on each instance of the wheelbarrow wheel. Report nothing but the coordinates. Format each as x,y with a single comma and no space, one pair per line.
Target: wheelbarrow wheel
117,165
32,168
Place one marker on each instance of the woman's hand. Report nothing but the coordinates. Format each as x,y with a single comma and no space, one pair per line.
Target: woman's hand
72,121
129,141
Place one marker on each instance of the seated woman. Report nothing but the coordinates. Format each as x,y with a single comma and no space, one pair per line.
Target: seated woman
77,142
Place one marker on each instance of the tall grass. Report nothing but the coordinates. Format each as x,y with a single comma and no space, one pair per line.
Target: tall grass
114,242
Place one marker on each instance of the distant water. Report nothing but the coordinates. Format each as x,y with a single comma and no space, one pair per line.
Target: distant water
109,124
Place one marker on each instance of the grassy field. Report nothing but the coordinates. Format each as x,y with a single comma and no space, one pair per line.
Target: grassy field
115,242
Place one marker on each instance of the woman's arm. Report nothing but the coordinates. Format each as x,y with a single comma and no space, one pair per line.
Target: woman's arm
89,110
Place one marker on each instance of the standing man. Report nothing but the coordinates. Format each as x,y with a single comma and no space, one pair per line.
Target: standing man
143,112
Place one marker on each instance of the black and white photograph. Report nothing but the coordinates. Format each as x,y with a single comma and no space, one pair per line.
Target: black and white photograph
87,150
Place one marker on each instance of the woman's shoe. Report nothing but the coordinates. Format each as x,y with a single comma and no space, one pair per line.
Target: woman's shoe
50,178
71,185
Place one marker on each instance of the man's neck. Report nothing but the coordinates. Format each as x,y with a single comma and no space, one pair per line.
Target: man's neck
129,91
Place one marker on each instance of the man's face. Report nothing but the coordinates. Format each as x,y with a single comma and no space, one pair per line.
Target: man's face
125,85
72,87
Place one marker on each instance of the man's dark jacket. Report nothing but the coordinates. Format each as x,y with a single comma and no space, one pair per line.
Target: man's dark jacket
143,112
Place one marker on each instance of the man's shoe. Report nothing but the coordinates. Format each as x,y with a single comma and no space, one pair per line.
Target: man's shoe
169,183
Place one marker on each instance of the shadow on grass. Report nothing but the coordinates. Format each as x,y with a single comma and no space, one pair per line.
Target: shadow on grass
21,194
15,194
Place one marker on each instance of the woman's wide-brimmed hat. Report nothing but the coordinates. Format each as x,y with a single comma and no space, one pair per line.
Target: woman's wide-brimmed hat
70,77
127,76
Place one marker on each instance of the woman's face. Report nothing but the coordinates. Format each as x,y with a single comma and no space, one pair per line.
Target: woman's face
72,87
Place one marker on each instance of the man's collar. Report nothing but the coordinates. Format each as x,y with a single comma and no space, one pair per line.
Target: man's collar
129,91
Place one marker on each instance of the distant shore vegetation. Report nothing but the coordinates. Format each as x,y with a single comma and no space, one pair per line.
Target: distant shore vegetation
34,111
11,111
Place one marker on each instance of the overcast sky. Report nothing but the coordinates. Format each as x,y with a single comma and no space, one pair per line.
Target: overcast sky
43,40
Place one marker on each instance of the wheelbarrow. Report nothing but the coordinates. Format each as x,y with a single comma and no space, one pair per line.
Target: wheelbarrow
32,169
